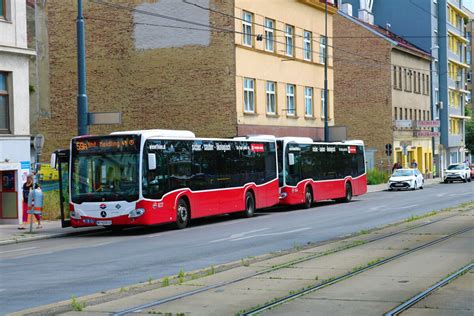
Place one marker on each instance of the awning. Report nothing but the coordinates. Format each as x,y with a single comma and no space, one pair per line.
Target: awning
462,117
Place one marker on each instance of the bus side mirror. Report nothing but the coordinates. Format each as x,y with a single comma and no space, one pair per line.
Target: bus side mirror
291,159
151,162
53,161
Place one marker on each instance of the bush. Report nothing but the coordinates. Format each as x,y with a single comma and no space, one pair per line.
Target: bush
51,207
376,176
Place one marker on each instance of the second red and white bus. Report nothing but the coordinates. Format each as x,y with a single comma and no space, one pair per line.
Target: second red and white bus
314,171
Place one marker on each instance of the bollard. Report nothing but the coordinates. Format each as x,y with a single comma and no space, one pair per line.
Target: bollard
35,204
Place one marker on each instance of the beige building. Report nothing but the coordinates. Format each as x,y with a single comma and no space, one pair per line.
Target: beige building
382,93
280,76
411,108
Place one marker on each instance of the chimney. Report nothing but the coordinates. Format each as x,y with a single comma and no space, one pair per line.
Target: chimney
347,8
365,11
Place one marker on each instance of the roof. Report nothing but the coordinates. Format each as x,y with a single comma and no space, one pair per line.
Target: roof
389,36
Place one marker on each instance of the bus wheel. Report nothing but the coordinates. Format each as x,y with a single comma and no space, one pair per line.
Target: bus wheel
348,196
249,205
182,214
308,198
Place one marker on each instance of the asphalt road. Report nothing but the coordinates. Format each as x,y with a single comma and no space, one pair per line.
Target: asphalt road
41,272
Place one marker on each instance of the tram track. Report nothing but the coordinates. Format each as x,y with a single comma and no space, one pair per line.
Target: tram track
422,295
176,297
324,284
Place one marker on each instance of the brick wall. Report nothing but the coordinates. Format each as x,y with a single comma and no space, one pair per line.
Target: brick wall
362,86
186,87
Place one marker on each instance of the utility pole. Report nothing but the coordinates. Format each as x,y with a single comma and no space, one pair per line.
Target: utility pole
82,103
326,127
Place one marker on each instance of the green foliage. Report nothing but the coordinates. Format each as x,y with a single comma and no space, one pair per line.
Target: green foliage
165,282
181,276
76,305
470,135
375,176
51,207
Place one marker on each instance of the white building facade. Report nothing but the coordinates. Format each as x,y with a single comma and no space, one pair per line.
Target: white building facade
14,108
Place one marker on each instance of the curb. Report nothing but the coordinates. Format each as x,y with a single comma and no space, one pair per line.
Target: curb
385,186
41,237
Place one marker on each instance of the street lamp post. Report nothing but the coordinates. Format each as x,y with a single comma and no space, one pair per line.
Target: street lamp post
326,127
82,103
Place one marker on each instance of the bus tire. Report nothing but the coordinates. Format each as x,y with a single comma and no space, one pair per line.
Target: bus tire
308,197
183,214
249,205
348,196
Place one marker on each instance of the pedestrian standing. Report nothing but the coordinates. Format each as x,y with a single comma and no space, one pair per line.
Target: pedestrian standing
414,165
27,186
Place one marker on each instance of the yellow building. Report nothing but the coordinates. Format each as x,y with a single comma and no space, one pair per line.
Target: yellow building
280,67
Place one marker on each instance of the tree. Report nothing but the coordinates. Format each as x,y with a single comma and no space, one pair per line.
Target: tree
470,135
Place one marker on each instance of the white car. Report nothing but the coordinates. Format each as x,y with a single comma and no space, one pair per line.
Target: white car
457,172
406,179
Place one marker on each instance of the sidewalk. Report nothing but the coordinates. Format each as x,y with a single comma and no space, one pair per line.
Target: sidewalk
10,234
384,186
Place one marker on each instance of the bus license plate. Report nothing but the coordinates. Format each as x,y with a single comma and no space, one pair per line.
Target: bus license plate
104,223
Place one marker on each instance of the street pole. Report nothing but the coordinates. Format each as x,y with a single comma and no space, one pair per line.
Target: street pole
326,127
82,103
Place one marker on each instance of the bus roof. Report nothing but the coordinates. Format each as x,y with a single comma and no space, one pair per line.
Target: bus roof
158,133
307,140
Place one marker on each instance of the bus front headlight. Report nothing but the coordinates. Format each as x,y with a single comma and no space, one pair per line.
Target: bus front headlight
136,213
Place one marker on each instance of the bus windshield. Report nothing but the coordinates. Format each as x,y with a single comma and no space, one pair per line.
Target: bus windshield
105,169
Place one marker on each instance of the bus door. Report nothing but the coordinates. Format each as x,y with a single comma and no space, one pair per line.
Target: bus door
60,160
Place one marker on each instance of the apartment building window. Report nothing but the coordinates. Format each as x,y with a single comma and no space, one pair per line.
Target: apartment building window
400,78
435,37
414,82
419,114
308,47
290,99
269,35
423,83
247,28
406,114
395,112
289,40
401,114
322,48
427,84
249,95
271,97
308,101
395,77
405,78
411,114
4,104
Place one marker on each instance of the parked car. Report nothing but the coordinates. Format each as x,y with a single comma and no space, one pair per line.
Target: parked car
406,179
457,172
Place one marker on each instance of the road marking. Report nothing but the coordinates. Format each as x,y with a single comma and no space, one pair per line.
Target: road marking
402,207
273,234
238,235
457,194
16,250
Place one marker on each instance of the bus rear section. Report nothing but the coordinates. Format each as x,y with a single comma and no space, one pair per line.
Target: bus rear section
314,172
151,178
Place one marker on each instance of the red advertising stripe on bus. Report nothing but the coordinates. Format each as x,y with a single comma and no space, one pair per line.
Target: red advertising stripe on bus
352,149
258,148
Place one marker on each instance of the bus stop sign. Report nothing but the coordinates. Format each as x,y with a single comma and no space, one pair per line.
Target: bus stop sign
38,142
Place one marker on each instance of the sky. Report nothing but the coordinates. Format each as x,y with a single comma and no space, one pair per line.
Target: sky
469,4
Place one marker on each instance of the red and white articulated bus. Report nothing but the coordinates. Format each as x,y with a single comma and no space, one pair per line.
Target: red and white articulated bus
162,176
150,177
313,171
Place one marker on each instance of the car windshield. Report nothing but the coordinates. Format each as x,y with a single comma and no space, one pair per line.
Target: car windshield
456,167
402,173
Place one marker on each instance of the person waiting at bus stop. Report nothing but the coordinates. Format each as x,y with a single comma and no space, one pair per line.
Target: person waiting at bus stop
26,191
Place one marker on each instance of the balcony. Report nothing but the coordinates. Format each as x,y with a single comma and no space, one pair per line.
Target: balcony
455,140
